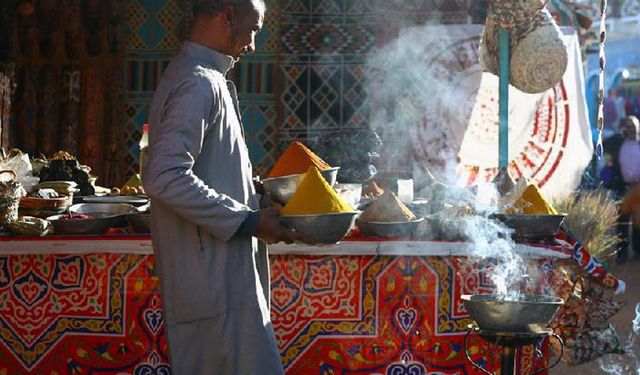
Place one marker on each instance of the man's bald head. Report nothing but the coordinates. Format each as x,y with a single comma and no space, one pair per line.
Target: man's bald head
213,7
227,26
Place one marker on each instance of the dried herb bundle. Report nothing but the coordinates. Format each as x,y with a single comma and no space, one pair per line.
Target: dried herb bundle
592,217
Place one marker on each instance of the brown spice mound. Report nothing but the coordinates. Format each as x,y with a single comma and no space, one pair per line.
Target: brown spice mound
372,190
387,208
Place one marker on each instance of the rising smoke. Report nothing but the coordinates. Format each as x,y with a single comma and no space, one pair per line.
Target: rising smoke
422,90
418,96
628,364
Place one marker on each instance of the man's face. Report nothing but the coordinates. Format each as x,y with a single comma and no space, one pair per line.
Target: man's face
245,25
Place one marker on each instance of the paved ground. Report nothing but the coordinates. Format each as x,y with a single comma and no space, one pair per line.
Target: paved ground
630,273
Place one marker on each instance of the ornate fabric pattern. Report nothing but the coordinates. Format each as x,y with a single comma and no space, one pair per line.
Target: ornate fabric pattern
101,313
80,314
378,315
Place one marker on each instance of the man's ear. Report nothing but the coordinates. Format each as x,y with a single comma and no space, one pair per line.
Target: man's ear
228,14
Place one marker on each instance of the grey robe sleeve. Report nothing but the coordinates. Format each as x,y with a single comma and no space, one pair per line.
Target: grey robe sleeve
175,145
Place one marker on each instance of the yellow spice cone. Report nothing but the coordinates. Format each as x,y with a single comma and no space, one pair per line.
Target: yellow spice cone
314,196
533,203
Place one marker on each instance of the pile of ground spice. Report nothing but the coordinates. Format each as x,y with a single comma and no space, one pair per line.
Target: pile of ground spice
388,208
372,190
532,202
314,196
297,159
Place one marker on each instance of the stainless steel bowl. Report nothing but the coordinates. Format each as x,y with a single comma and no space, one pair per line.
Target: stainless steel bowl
282,188
97,210
532,227
399,229
525,313
139,223
103,217
82,226
323,229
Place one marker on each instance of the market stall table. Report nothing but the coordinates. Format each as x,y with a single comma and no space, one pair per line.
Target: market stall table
90,304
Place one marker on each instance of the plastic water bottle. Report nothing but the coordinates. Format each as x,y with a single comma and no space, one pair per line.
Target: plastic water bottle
144,146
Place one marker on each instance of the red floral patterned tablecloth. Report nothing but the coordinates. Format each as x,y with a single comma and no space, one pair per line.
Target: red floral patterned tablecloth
100,313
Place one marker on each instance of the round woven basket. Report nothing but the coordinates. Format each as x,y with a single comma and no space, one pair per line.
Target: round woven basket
540,59
10,191
8,210
538,56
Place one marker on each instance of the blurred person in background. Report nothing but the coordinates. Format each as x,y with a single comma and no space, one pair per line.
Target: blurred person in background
629,154
610,116
629,163
619,102
635,102
630,210
610,174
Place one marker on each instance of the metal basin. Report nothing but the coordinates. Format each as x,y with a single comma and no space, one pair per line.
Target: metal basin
532,227
525,313
406,229
323,229
282,188
104,216
97,210
139,223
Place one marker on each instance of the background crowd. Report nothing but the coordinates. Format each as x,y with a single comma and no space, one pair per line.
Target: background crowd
620,169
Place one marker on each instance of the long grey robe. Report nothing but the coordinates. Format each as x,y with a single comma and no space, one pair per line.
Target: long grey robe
198,176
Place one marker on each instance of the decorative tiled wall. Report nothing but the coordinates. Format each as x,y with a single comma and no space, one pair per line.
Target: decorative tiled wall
306,78
154,30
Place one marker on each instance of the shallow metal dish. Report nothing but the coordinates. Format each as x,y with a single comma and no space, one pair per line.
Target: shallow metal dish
532,227
97,210
396,229
82,226
136,200
323,229
139,223
524,313
282,188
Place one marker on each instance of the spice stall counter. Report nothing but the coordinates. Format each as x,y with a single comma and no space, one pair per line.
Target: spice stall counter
90,304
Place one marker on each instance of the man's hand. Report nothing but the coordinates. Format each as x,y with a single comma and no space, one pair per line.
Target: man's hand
270,230
259,186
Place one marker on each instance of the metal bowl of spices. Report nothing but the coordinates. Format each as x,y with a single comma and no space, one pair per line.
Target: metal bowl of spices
532,227
91,218
323,228
397,229
282,188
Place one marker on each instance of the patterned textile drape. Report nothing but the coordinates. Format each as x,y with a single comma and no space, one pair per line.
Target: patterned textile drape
305,79
63,51
86,70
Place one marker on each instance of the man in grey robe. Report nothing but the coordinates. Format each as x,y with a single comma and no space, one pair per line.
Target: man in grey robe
205,216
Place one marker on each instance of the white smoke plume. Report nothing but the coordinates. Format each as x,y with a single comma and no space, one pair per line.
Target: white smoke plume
629,363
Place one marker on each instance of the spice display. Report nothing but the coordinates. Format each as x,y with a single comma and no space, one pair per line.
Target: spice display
297,159
387,208
532,202
61,187
372,190
64,167
31,226
133,186
314,196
